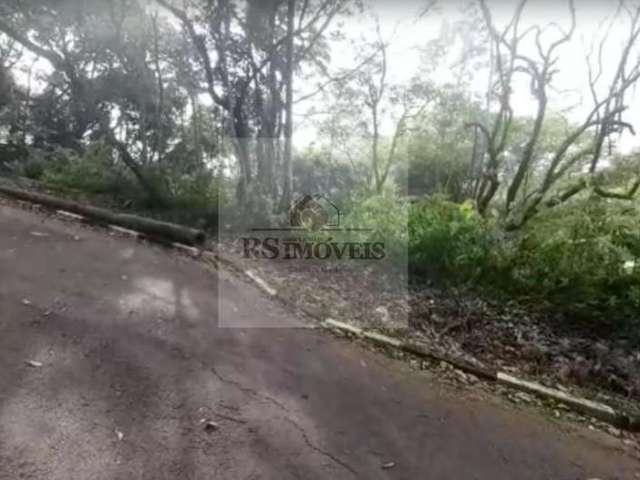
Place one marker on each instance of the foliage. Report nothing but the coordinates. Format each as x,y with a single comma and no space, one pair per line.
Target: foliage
191,195
32,168
200,191
582,255
438,238
385,217
440,149
318,170
93,172
447,241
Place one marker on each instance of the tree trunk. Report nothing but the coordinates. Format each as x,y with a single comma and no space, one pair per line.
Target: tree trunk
160,140
374,153
287,170
153,228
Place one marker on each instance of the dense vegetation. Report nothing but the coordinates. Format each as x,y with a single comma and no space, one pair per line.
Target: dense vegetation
178,109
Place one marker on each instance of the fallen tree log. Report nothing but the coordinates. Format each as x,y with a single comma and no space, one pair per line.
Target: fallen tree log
147,226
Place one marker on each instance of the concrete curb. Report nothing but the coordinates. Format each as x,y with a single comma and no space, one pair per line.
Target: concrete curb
260,282
115,228
584,406
596,410
72,216
588,407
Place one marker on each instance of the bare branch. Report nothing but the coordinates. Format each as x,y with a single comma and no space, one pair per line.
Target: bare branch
337,79
619,195
56,60
199,44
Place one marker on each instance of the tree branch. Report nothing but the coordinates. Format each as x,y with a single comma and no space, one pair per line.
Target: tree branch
619,195
56,60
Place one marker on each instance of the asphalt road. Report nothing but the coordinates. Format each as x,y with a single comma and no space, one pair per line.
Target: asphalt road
131,361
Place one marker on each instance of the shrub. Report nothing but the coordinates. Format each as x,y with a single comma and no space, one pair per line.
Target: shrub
385,218
184,197
576,255
448,241
94,172
438,238
33,168
194,199
200,191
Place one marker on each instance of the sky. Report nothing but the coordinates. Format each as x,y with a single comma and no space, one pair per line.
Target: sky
407,33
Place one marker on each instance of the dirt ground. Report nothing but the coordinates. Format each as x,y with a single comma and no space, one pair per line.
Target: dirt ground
530,340
112,364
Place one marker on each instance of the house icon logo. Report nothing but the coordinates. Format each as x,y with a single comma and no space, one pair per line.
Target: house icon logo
314,212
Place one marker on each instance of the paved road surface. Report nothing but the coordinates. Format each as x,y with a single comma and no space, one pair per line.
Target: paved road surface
133,360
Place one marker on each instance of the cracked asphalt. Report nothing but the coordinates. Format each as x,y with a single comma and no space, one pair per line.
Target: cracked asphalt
112,364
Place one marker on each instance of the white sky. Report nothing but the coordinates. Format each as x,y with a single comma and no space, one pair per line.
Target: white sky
398,20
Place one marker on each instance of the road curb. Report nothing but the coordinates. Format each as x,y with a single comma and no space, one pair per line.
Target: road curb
584,406
600,411
261,283
115,228
588,407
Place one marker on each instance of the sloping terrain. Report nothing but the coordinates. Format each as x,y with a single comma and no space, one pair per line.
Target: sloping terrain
113,366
